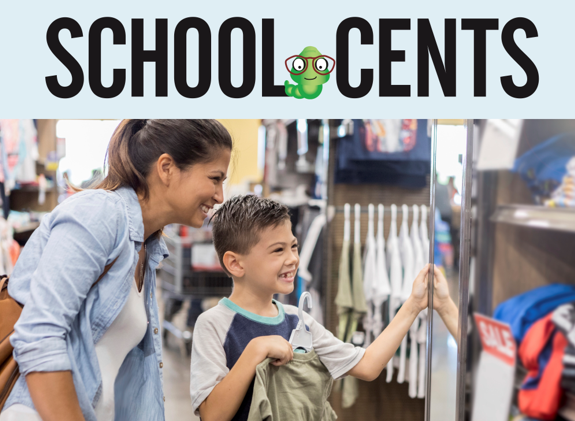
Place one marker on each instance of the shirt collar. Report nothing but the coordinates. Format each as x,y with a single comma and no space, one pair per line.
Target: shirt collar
134,212
156,246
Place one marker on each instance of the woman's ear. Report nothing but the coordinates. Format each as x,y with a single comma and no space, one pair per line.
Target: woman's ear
166,168
233,264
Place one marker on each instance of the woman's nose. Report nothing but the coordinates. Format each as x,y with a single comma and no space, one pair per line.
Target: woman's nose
219,196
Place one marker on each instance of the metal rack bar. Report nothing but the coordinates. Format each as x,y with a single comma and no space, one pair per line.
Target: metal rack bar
429,342
464,256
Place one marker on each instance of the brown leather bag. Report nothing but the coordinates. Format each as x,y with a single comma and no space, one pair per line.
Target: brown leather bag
10,311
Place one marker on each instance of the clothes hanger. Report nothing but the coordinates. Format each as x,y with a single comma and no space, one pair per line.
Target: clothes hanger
300,337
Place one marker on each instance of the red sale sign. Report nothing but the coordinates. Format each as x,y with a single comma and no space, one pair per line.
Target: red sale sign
496,338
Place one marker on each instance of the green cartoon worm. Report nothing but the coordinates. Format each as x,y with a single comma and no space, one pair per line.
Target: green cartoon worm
310,70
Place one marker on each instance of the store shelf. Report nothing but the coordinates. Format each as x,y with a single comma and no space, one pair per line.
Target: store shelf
557,219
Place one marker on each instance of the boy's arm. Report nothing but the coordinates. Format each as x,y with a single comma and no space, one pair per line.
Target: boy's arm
225,399
443,303
378,354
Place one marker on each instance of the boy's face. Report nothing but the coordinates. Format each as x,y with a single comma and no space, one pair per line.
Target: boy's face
271,264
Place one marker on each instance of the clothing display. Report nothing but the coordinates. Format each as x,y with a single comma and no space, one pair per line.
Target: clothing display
298,390
222,333
544,166
382,287
369,277
521,311
542,353
564,195
376,152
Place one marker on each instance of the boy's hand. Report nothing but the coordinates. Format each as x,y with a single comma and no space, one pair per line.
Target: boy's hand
275,347
418,297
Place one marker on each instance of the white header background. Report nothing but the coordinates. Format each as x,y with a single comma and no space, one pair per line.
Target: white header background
26,60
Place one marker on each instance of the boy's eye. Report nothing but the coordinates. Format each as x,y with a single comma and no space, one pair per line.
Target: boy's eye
278,250
295,246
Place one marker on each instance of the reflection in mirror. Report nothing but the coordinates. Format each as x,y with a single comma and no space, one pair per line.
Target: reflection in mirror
450,150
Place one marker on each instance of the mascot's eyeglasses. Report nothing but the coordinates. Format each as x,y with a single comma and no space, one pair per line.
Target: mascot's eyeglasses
320,64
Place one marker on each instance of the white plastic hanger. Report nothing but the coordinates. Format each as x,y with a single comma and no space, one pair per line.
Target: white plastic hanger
300,337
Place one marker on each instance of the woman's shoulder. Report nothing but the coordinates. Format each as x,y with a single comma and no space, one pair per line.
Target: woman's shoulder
90,205
91,198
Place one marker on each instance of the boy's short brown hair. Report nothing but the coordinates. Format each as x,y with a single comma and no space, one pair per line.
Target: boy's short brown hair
239,221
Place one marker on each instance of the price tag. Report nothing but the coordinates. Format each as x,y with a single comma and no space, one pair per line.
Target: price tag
495,372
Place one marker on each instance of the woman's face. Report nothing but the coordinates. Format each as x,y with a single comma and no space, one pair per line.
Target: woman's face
196,190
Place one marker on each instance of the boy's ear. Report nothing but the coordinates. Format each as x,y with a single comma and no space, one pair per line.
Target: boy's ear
233,264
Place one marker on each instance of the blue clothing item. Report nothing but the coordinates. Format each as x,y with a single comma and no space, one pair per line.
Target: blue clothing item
521,311
544,166
355,164
64,317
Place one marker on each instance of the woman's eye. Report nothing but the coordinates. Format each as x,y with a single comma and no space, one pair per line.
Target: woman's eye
278,250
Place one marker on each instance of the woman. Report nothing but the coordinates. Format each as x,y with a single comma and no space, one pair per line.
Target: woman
89,351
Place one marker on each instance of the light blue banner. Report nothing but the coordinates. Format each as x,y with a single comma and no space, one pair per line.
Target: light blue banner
26,59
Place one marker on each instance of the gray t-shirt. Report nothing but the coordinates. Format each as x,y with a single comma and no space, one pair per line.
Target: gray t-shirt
222,333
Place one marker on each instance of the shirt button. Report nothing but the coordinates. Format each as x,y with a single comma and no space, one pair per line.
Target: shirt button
164,399
156,330
161,365
151,295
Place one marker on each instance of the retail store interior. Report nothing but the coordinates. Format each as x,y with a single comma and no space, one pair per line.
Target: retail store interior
488,201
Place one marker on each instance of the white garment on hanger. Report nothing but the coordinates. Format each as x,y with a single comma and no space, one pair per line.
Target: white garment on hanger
419,258
316,312
395,276
407,259
422,340
423,233
369,276
406,249
382,287
413,358
309,246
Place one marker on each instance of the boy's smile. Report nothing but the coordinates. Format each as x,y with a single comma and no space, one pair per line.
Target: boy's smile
271,265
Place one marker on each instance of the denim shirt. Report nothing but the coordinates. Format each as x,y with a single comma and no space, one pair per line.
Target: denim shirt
64,316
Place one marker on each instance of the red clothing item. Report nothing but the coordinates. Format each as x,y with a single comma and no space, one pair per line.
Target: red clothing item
542,353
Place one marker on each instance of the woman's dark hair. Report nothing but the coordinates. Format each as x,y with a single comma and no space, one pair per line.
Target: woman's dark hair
137,144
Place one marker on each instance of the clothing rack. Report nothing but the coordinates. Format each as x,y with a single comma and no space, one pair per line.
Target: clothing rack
377,399
386,210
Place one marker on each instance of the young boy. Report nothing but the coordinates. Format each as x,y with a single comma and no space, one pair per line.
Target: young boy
256,247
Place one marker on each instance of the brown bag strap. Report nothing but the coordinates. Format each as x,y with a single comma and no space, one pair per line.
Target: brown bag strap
106,269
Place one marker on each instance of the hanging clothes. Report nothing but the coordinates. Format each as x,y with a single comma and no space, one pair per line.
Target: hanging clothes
344,298
406,250
395,277
382,287
360,158
369,276
422,340
350,385
298,390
